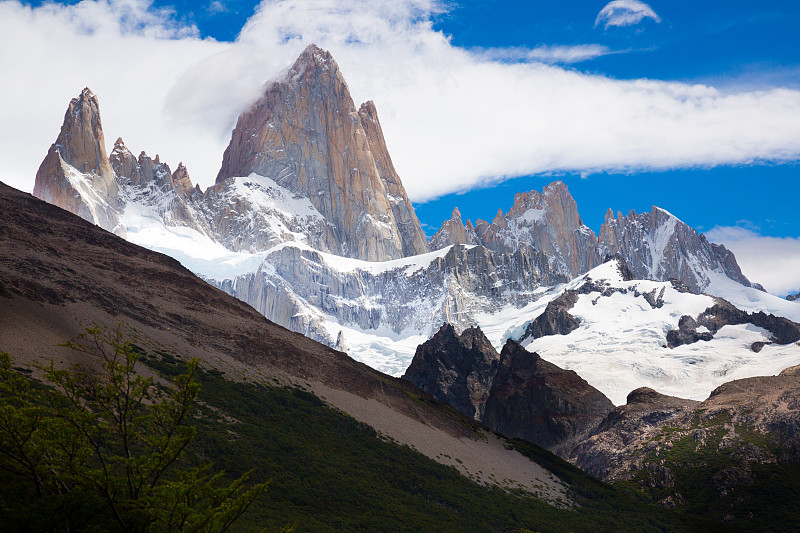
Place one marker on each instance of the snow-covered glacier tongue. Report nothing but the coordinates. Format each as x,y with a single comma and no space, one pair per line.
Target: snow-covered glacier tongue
309,223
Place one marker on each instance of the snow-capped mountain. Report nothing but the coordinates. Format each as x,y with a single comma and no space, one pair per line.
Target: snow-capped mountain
620,333
309,223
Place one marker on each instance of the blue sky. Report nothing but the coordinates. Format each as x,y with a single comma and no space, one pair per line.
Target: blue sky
453,81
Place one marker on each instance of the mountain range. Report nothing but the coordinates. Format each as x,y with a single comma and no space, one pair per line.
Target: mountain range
641,354
309,223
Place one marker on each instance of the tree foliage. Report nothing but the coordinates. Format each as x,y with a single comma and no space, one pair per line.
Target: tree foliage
105,448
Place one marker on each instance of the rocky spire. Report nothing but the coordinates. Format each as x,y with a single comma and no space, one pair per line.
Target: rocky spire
457,369
454,231
181,180
76,174
306,134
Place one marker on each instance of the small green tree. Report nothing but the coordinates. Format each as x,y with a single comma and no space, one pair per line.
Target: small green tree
114,440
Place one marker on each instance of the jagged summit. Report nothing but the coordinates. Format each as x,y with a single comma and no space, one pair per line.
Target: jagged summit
311,225
454,231
659,246
546,221
306,135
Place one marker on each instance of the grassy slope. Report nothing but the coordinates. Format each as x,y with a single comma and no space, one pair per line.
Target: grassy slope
332,473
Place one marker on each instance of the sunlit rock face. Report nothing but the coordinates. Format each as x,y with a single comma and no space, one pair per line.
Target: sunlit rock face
76,174
306,134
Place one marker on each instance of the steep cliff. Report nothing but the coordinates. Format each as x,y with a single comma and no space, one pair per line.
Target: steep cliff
306,135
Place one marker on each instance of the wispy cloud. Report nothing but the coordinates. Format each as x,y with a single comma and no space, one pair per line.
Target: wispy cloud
772,261
215,7
453,119
554,54
625,13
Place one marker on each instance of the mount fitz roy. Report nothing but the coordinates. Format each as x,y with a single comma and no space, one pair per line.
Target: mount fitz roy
309,223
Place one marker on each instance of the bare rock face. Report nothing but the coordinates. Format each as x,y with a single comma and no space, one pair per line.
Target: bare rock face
537,401
457,369
306,134
454,231
658,246
413,238
548,222
76,174
182,182
296,285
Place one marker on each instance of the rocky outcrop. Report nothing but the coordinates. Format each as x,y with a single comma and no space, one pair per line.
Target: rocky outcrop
687,333
76,174
723,313
555,320
516,393
306,135
547,222
537,401
454,231
658,246
629,425
712,458
456,369
793,297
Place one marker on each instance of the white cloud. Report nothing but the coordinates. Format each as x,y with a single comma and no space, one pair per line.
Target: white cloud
544,54
453,119
772,261
625,13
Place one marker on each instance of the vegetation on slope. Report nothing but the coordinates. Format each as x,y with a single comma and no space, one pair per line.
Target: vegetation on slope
103,449
328,472
724,471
